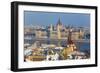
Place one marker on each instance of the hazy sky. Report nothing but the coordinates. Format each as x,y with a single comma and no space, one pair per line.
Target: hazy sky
47,18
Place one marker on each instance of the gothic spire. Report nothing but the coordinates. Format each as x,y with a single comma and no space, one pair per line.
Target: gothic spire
59,22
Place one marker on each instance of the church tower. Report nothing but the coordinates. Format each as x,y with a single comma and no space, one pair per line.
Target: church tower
71,47
70,43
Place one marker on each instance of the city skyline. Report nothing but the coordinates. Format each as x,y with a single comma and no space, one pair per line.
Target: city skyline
56,42
48,18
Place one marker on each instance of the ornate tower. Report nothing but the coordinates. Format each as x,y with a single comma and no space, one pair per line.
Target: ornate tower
51,31
59,27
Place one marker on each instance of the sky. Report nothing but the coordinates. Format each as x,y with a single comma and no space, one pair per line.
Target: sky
32,18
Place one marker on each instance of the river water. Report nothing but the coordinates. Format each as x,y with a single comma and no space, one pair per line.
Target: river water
82,46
